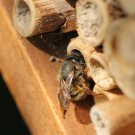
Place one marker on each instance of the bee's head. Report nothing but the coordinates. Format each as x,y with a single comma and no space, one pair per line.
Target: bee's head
74,62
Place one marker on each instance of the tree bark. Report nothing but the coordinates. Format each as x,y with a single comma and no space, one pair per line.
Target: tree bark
32,17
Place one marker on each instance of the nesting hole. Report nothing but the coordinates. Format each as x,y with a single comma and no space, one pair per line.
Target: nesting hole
79,54
75,51
23,16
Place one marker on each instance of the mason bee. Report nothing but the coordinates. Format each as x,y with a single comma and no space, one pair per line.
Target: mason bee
74,83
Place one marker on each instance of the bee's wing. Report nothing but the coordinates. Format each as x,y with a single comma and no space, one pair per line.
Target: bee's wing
64,96
64,92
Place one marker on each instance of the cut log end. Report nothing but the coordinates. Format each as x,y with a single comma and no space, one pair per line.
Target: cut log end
36,17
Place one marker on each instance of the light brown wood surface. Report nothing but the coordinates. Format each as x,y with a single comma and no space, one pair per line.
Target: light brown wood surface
31,78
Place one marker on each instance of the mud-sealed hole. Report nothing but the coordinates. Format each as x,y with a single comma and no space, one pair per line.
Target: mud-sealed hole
23,16
90,19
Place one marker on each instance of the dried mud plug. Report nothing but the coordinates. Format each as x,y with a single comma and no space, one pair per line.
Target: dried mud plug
74,83
94,18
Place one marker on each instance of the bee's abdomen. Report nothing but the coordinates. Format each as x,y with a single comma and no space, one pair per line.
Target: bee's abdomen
77,94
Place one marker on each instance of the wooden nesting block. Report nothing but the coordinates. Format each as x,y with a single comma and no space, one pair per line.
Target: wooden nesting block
31,78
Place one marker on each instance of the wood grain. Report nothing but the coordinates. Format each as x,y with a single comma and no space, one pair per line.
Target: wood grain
32,17
31,78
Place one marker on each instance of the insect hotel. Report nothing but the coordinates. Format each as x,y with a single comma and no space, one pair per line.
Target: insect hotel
70,64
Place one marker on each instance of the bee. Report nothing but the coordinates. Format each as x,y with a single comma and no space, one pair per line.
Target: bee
74,83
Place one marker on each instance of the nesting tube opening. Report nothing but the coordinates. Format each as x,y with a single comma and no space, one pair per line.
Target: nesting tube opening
85,49
22,17
94,17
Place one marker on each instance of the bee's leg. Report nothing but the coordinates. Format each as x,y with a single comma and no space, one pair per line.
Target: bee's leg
86,89
89,92
75,90
80,96
85,71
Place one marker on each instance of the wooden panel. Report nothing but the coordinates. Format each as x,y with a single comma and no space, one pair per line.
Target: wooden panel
31,78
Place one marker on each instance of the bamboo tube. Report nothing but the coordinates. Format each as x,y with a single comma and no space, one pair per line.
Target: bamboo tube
84,49
32,17
99,72
128,6
114,117
119,49
94,17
